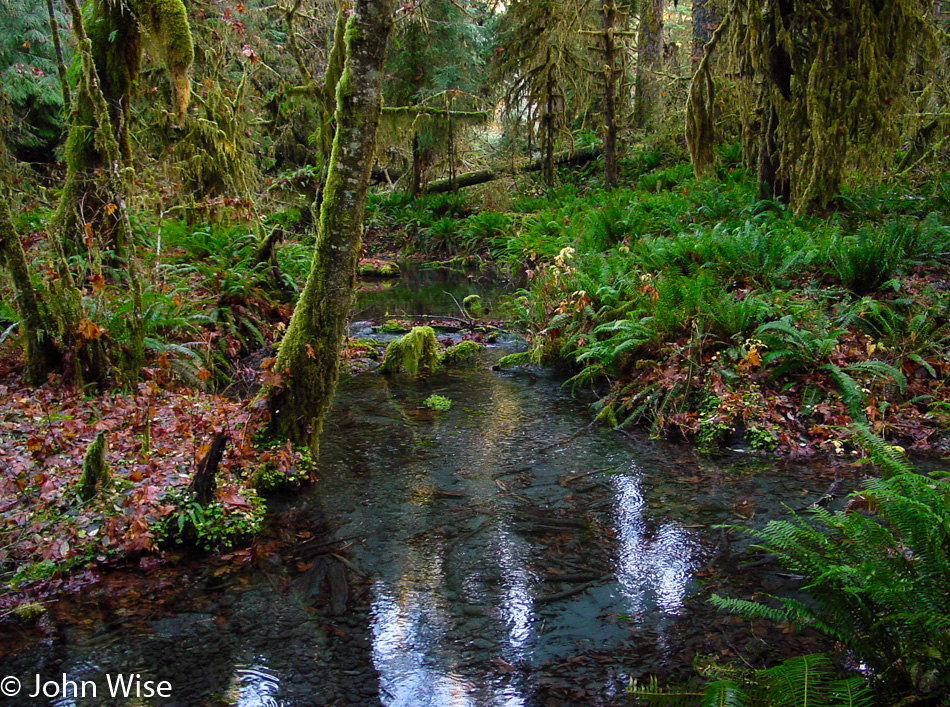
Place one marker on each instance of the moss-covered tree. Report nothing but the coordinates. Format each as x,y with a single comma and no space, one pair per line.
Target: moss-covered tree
649,60
545,68
830,80
115,34
308,358
41,354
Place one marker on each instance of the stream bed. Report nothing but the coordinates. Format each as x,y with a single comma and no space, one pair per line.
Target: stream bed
501,552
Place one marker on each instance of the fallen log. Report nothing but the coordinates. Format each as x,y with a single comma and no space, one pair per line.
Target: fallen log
481,176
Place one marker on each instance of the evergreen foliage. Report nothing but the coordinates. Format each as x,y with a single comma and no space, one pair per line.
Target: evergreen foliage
28,76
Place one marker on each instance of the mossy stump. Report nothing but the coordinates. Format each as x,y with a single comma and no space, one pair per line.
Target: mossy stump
417,353
95,472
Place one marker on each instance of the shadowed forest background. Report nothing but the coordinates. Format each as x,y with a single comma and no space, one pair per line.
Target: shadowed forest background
727,220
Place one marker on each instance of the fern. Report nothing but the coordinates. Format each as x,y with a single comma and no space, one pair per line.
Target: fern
802,681
879,579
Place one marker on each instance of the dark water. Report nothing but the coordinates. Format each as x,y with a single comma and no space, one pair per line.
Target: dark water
493,554
427,291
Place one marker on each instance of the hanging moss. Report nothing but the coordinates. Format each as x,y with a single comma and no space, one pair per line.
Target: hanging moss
831,87
417,353
95,472
166,22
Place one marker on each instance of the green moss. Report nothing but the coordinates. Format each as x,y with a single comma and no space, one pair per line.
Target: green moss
417,353
437,402
166,22
29,612
462,351
515,359
95,471
472,304
379,268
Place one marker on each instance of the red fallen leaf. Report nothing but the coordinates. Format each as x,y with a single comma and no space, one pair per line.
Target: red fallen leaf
339,633
304,566
34,444
233,498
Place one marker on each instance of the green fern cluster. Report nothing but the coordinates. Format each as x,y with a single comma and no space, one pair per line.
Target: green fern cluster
802,681
879,574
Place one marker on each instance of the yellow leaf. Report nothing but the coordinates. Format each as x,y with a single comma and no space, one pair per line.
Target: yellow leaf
110,209
310,352
89,330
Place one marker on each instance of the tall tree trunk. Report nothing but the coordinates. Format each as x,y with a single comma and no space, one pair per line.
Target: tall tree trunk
773,181
705,19
309,355
58,48
610,92
415,188
547,171
649,61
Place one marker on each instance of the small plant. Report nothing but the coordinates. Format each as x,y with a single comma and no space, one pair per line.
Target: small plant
214,526
437,402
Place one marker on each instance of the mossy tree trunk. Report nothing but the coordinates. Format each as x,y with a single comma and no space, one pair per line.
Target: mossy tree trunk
610,92
649,59
705,18
41,354
309,354
115,41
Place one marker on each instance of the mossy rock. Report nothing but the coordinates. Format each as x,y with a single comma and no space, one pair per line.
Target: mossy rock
515,359
461,352
28,613
372,267
417,353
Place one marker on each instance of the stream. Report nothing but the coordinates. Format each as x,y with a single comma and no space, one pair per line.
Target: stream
497,553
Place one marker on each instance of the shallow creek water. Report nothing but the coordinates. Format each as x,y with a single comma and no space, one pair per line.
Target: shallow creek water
497,553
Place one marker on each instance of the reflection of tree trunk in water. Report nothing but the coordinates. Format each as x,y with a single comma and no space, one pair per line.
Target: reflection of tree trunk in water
416,187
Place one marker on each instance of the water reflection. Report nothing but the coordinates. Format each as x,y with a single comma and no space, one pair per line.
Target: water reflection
654,563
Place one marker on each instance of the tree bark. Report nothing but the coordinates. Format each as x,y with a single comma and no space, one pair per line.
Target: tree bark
705,20
610,109
58,48
309,355
41,355
649,58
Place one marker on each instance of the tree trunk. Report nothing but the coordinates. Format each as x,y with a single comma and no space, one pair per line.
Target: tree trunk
705,20
649,60
547,171
610,90
41,355
58,49
309,355
416,187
